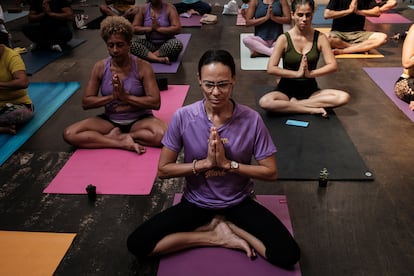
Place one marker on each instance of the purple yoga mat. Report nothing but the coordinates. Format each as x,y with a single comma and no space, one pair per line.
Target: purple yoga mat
173,67
193,21
391,18
221,261
385,78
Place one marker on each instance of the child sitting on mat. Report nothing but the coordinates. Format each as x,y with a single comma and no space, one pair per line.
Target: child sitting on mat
16,107
404,87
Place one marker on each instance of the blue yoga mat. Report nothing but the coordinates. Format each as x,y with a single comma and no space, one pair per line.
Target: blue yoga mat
318,18
47,97
38,59
13,16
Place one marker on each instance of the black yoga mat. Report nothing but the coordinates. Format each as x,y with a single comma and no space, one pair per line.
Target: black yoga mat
303,151
95,23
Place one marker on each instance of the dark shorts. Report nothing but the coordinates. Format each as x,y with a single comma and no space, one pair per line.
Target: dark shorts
299,89
124,128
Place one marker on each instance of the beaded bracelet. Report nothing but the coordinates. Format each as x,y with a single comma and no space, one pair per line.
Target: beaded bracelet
194,167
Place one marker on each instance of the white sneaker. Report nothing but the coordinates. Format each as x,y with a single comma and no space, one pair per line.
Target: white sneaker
79,22
56,48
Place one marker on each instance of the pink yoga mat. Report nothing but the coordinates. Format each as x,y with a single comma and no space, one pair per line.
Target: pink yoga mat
115,171
240,21
226,262
392,18
385,78
173,67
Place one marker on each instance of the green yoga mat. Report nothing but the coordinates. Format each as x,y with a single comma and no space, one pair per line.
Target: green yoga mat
47,97
303,151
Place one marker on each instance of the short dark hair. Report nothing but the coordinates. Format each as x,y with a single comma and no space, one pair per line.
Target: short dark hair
296,3
219,56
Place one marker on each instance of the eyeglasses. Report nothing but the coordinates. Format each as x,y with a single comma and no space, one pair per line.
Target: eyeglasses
221,86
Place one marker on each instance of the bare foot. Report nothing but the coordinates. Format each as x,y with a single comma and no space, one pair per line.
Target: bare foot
228,239
320,110
254,54
115,133
337,51
128,143
210,226
165,60
192,11
8,129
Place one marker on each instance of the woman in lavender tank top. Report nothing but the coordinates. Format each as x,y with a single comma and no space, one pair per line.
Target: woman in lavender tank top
219,137
129,93
159,23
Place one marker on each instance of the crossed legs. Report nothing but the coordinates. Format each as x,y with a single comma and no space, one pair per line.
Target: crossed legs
96,132
340,46
279,102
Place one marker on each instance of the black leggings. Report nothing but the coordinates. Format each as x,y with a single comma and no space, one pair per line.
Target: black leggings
281,249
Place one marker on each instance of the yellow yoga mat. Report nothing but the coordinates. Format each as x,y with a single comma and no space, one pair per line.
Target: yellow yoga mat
371,54
32,253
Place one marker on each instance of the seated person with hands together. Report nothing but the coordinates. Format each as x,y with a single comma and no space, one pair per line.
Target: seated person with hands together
159,22
300,47
129,94
219,138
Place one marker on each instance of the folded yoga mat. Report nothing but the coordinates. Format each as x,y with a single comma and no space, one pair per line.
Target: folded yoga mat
38,59
32,253
385,78
173,67
193,21
47,97
115,171
303,151
10,16
318,18
224,262
391,18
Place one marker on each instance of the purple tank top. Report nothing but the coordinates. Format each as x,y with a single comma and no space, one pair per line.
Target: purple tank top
116,110
163,21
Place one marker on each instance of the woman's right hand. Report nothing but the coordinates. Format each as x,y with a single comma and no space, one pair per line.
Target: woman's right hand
269,11
303,68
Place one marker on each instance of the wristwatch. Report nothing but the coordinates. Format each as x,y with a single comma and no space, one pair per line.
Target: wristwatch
234,165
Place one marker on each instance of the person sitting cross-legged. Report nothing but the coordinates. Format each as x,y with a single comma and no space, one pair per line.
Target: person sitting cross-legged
347,33
129,93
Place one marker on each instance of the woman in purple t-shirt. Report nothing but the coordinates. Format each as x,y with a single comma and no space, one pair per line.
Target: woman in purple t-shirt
219,137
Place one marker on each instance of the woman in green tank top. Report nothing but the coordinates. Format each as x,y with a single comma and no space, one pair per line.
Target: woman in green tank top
300,47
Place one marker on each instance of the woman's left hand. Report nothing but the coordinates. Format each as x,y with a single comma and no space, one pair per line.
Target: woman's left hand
118,90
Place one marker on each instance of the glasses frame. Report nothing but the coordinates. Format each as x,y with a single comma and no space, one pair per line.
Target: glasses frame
222,86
